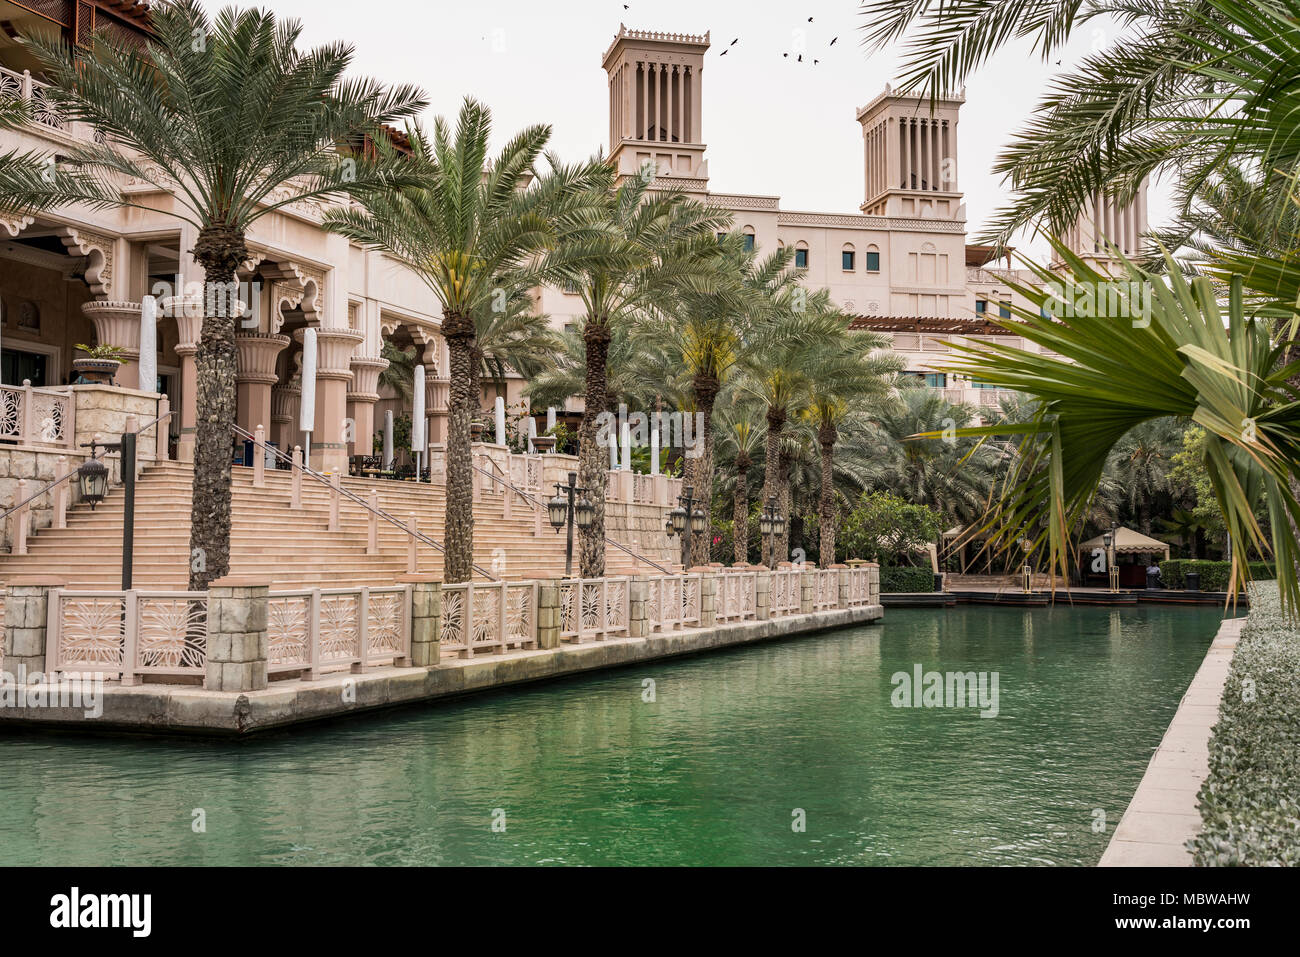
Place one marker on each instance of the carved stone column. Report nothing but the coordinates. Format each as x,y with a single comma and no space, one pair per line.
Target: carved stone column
255,375
361,403
189,323
437,396
118,324
329,451
284,416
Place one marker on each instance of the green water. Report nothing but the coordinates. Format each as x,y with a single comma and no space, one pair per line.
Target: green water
711,772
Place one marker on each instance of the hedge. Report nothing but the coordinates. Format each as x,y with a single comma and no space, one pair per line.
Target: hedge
1214,575
896,578
1250,803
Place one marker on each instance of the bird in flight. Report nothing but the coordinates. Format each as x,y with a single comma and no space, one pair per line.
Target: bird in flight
734,42
832,43
723,53
810,19
800,57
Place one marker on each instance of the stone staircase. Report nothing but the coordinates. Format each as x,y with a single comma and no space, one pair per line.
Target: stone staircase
291,548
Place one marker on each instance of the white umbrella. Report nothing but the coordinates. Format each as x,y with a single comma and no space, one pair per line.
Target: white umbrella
419,432
307,403
148,344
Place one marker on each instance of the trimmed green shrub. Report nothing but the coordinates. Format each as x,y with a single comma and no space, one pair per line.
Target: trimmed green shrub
1214,575
1250,803
896,578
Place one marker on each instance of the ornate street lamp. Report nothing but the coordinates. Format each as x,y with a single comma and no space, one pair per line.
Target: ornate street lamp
93,477
570,506
687,520
771,524
1109,538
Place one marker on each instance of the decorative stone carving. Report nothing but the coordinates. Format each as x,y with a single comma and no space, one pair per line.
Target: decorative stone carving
365,379
98,250
15,224
257,352
116,324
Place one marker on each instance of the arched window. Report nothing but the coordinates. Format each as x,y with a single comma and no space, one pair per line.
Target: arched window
749,238
873,258
847,255
801,255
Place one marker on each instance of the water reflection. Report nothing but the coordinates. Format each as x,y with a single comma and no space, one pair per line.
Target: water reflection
588,772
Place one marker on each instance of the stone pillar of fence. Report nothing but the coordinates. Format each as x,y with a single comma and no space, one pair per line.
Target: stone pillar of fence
843,579
873,583
548,612
237,641
807,590
638,600
27,604
708,595
762,594
426,619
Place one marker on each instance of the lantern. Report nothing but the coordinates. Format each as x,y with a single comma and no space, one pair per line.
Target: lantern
584,512
668,527
765,522
557,509
93,476
697,520
778,524
678,517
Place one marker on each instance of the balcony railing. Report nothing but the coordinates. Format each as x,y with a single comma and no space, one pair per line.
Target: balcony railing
33,416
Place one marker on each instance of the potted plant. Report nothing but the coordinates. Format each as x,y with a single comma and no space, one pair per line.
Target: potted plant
477,428
99,365
544,444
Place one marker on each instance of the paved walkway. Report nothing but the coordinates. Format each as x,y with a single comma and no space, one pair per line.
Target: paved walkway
1163,815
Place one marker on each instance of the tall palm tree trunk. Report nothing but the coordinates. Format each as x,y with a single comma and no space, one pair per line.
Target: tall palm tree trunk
826,436
593,458
772,472
458,522
785,502
706,395
219,250
740,510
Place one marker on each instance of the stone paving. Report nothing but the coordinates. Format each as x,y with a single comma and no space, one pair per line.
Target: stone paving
1163,814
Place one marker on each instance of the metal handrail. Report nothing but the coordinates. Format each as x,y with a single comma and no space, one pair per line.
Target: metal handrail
353,497
538,504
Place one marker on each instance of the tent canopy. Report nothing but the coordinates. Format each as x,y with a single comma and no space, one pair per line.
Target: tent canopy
1128,542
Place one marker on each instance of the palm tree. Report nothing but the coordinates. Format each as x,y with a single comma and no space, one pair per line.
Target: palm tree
1199,359
218,115
400,372
1189,87
705,330
1140,465
923,457
740,433
833,403
801,340
476,234
634,247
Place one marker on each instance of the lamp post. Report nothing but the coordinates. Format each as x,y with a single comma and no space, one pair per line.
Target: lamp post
771,523
686,520
567,508
1027,572
92,476
1112,572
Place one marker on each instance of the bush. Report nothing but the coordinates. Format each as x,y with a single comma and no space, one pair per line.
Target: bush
896,578
1214,575
1250,809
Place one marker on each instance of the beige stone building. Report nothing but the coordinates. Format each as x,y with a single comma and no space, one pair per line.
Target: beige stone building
900,263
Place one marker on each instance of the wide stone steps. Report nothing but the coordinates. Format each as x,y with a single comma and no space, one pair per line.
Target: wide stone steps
292,548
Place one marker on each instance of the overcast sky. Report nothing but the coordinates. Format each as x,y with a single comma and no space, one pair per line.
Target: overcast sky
772,126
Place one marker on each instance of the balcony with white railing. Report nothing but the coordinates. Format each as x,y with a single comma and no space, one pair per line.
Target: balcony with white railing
22,86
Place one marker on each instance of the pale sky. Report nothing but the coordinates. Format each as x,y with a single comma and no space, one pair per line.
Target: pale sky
772,126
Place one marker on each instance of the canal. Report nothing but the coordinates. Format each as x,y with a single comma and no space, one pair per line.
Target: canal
786,753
